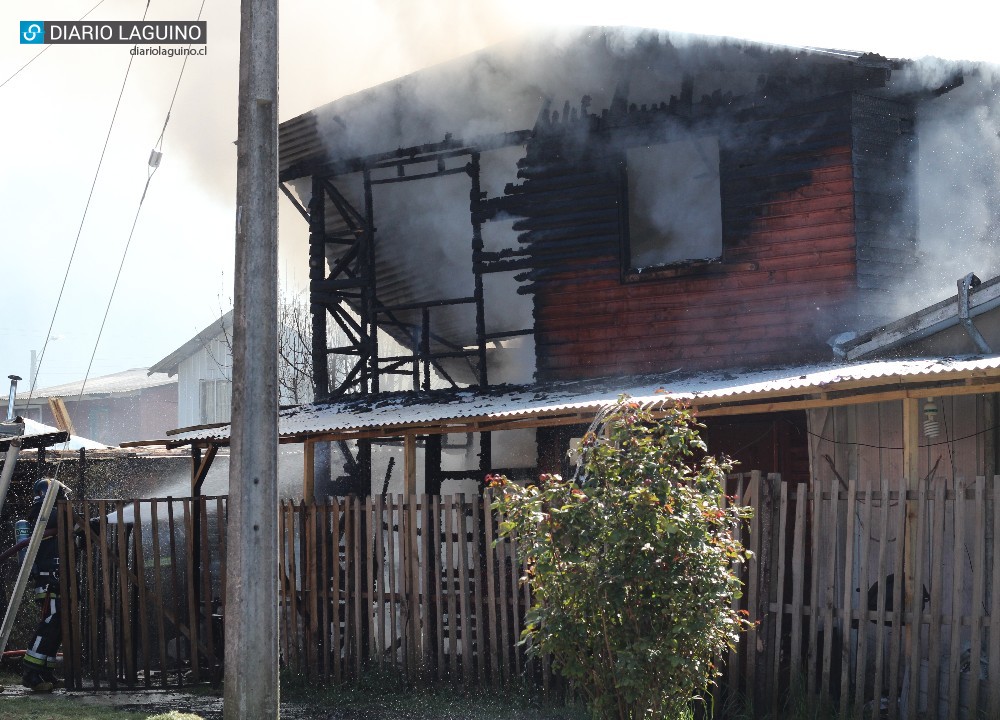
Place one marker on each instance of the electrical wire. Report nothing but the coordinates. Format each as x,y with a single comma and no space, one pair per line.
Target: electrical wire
893,447
39,53
153,167
79,232
135,220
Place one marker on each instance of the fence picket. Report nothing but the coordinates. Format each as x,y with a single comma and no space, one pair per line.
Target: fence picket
753,603
779,615
143,612
896,634
798,584
864,551
959,508
978,601
380,569
495,672
360,593
479,568
440,578
880,604
937,612
846,615
449,581
335,573
394,598
815,613
463,578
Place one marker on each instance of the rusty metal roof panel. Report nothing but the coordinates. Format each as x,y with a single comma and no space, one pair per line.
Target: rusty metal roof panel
396,411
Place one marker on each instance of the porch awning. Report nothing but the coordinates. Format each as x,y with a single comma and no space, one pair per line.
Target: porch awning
506,407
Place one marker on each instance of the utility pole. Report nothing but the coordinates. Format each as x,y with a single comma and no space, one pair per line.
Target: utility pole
251,676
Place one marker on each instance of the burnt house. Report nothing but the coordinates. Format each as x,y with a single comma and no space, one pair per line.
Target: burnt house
608,204
520,236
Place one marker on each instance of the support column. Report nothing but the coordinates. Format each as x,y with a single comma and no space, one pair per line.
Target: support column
432,464
409,465
251,673
309,471
369,296
317,272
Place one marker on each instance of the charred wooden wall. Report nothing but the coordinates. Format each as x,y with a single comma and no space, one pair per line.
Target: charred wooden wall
789,268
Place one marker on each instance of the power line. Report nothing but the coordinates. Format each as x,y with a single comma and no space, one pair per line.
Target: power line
39,53
154,164
891,447
86,208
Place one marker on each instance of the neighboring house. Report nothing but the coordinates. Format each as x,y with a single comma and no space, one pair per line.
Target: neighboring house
203,366
110,409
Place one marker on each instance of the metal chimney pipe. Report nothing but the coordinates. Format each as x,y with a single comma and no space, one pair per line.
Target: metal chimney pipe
966,284
10,399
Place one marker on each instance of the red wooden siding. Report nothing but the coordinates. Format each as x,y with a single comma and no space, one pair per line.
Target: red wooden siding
788,239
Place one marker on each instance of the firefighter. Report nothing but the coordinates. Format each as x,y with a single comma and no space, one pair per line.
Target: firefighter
38,665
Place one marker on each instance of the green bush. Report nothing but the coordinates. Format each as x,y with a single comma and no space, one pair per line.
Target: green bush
631,563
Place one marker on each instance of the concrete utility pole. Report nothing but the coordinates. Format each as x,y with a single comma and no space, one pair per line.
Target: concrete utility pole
251,678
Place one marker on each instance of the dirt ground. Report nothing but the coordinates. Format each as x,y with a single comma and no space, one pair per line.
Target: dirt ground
391,706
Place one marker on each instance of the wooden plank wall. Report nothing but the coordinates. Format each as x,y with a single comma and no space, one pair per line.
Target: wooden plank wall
134,611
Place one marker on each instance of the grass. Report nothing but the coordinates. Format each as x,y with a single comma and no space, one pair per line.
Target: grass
50,707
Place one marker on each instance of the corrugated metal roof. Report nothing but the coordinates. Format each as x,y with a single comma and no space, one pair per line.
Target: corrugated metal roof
396,411
122,382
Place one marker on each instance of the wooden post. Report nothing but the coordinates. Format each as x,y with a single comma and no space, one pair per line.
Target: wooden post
251,677
309,471
410,465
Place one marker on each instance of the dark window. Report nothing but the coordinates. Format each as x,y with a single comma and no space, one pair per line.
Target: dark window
674,205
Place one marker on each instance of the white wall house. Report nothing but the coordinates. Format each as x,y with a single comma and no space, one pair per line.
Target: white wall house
203,366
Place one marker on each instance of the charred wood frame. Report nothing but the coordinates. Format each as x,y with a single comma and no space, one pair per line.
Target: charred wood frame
348,293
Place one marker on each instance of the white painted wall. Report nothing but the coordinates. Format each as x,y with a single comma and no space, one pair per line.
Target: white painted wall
213,362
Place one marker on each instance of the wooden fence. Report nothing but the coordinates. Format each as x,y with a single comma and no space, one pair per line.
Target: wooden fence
421,586
146,613
835,627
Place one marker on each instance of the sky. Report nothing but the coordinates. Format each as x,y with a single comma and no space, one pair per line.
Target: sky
57,113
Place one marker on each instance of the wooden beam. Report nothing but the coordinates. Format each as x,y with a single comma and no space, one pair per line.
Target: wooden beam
410,465
201,466
61,415
817,402
309,471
